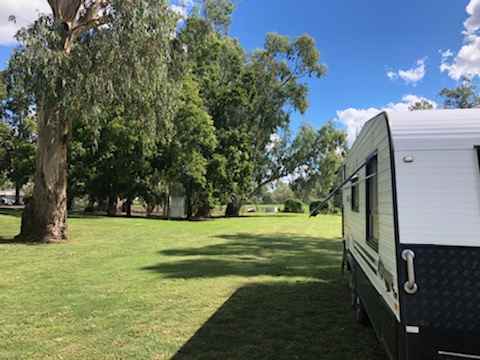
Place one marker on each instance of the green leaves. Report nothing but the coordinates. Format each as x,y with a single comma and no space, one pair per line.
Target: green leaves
219,14
323,151
462,97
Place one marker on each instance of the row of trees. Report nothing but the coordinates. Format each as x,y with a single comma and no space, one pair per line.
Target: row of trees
125,100
131,103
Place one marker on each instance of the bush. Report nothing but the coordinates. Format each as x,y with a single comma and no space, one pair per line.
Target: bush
294,206
315,206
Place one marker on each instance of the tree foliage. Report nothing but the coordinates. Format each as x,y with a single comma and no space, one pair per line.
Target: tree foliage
18,137
463,96
317,178
421,105
149,106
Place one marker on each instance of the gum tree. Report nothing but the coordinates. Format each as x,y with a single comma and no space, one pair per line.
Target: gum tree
85,57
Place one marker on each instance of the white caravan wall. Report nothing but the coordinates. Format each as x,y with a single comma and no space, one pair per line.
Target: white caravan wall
439,192
373,137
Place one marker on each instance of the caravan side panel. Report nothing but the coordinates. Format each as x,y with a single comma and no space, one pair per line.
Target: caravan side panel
379,266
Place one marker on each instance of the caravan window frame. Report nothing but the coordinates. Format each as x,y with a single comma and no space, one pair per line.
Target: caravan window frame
355,195
372,222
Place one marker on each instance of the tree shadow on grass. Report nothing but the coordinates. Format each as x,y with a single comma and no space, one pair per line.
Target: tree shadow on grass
284,321
14,241
11,211
17,212
254,255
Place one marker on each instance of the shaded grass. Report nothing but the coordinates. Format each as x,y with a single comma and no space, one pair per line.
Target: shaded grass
249,288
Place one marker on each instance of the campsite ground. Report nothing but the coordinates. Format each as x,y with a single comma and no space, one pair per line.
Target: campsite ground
261,287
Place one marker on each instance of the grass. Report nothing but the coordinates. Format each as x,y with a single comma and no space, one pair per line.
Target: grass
261,287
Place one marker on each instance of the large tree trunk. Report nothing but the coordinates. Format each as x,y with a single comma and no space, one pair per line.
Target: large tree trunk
233,207
45,216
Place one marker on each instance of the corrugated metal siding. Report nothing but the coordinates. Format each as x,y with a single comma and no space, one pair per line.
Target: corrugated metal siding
373,137
438,193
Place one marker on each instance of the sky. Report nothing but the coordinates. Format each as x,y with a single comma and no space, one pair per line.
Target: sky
379,53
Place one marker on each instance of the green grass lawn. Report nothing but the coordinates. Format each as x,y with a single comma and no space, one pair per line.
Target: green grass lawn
262,287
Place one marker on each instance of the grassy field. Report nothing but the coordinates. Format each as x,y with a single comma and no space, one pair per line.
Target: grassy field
262,287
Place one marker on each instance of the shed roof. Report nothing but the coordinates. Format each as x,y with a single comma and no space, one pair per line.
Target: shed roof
435,129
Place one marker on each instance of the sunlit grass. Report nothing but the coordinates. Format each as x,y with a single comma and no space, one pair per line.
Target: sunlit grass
263,287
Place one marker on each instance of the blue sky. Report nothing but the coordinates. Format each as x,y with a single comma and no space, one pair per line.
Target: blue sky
360,42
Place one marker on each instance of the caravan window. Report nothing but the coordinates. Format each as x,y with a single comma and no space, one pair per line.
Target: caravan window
371,187
355,195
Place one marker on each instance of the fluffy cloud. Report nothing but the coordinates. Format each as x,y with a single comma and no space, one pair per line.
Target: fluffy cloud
25,12
354,119
472,24
410,76
467,61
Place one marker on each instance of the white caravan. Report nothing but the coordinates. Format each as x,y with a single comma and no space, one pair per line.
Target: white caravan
411,228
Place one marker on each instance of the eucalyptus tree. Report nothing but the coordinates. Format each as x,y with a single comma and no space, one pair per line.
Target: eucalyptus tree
86,56
250,98
315,179
277,75
219,14
191,147
464,96
217,63
421,105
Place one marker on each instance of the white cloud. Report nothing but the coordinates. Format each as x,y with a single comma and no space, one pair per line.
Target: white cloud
410,76
392,75
25,12
472,24
354,119
467,61
446,54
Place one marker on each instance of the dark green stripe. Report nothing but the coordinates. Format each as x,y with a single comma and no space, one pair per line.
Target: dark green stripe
366,260
365,252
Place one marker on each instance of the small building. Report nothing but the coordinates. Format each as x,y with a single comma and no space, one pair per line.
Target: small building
177,203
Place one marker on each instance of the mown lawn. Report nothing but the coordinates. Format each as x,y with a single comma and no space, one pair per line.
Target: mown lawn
263,287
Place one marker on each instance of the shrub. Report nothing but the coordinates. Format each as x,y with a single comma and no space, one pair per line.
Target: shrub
294,206
315,206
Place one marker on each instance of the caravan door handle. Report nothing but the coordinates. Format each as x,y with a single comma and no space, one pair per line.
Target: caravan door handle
410,286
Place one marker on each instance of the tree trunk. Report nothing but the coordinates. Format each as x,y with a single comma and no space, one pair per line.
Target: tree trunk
45,216
112,205
90,208
150,208
17,193
128,207
70,203
203,210
233,207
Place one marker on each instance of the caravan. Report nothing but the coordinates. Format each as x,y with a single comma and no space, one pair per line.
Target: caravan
411,228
